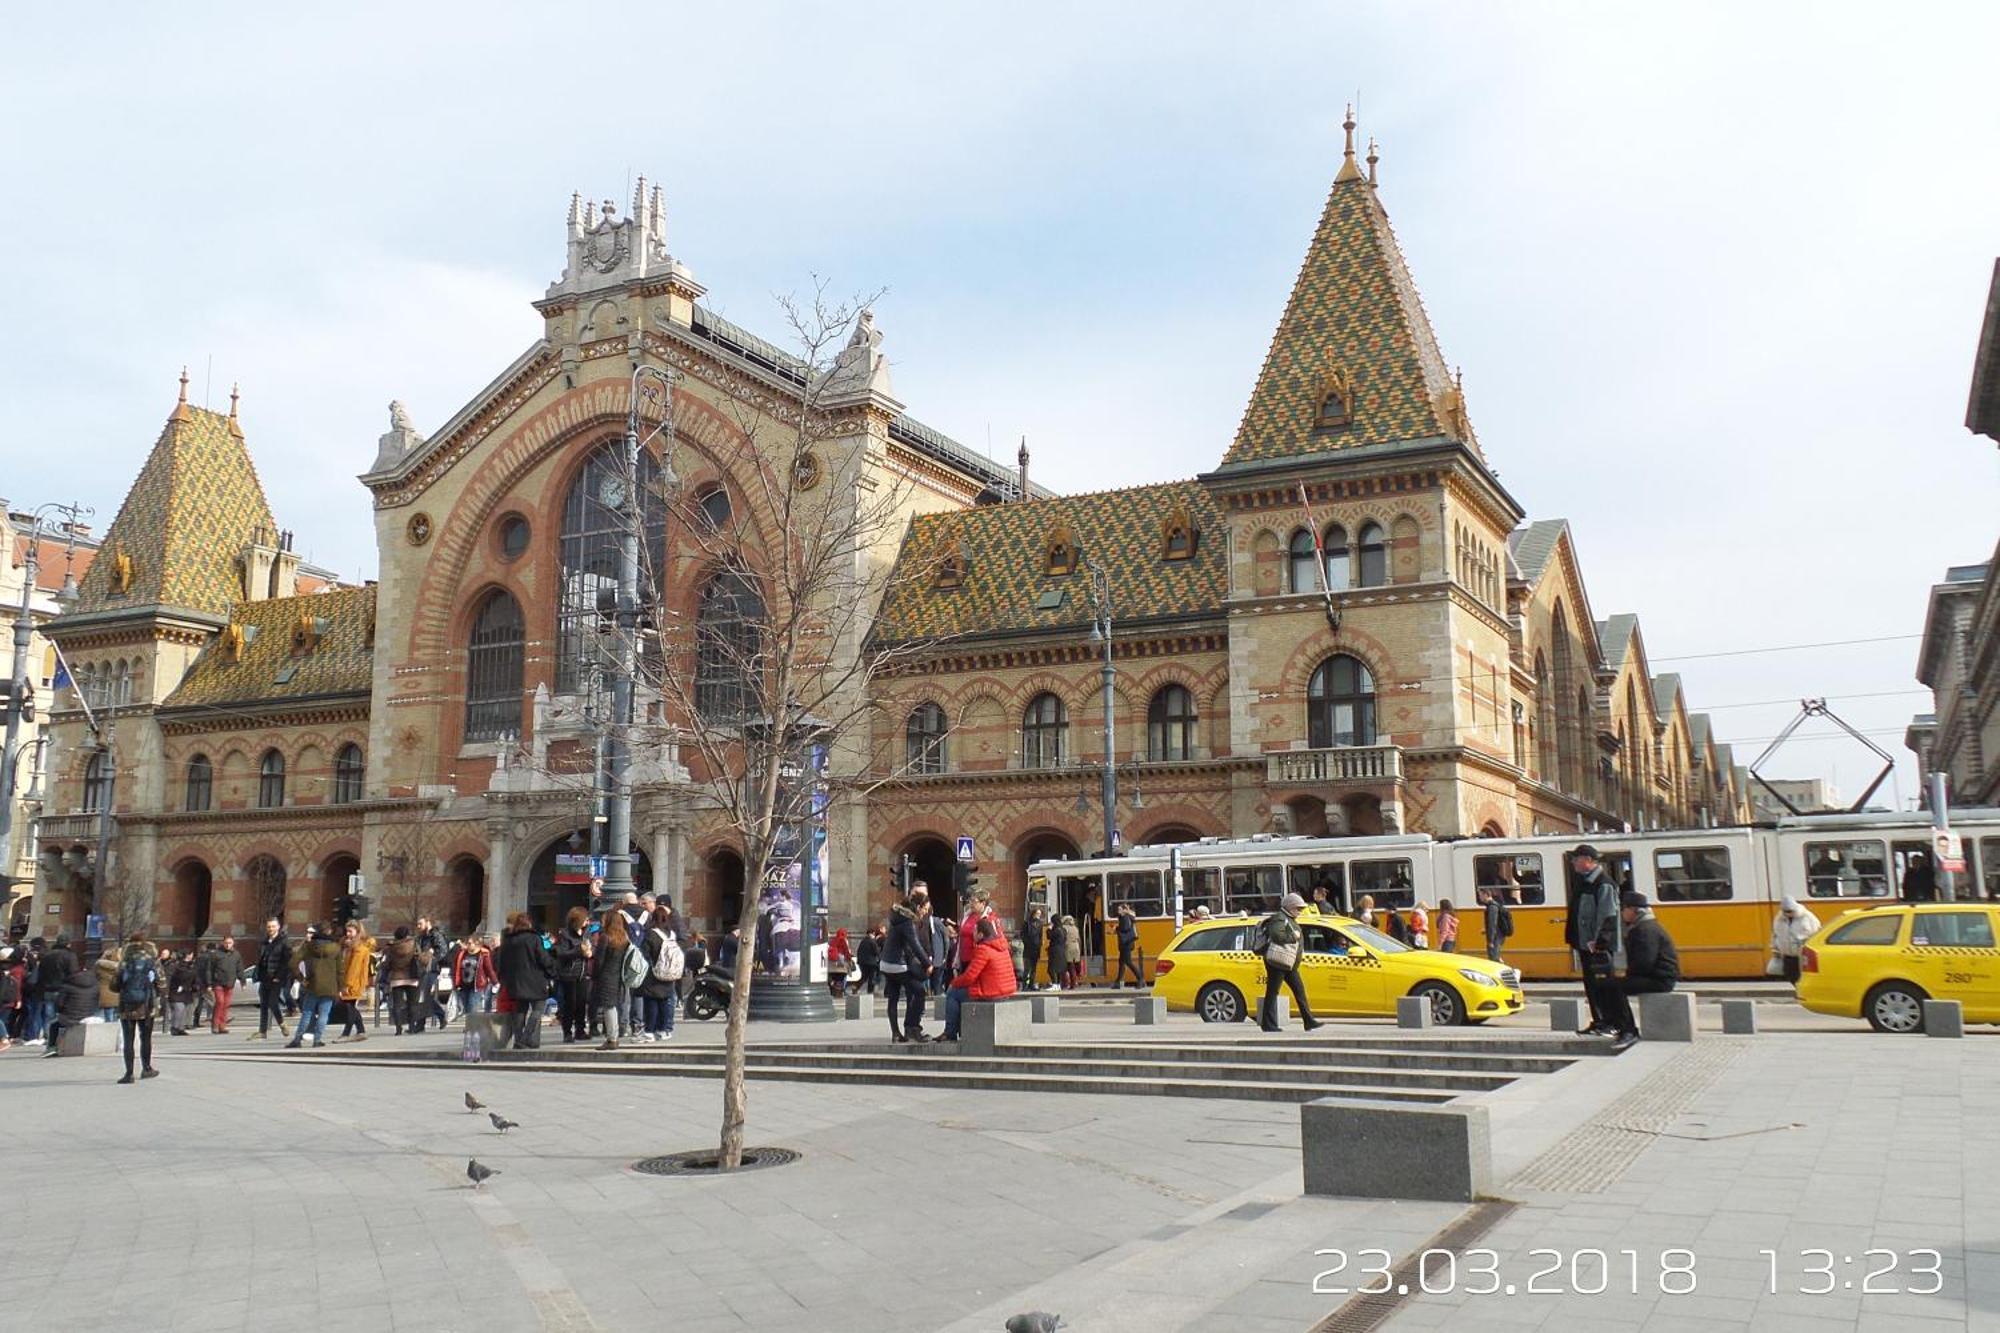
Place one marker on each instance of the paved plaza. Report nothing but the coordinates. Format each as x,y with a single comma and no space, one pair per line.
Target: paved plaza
327,1193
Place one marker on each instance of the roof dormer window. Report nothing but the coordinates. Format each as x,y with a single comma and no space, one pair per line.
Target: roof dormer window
1059,556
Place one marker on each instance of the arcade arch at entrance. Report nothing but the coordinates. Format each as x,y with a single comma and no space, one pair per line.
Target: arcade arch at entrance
464,907
931,860
725,886
549,902
333,883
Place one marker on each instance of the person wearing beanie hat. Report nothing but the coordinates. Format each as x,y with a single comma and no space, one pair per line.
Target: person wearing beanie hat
1280,939
1595,938
1652,964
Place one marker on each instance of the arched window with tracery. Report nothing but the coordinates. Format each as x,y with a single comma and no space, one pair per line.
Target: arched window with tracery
200,794
728,636
1170,722
1044,732
924,739
493,664
271,780
1303,561
1340,704
348,770
593,524
1339,560
1372,556
96,783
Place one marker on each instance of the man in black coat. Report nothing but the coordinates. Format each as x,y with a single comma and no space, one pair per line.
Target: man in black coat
528,973
1592,931
274,979
57,966
1652,964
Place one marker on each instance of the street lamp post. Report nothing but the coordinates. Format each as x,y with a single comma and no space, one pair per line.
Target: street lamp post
1100,632
24,634
623,496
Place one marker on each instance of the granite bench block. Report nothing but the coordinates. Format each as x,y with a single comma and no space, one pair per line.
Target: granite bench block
1395,1150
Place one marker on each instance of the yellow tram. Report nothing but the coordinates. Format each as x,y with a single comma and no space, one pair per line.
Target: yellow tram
1715,890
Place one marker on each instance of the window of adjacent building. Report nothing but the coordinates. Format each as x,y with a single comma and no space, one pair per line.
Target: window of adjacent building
923,739
1373,556
347,774
271,780
1691,874
96,783
1044,729
1340,704
514,534
592,527
1846,869
200,785
1387,882
1952,930
1515,879
493,663
713,506
1140,889
1170,723
1868,930
728,639
1304,561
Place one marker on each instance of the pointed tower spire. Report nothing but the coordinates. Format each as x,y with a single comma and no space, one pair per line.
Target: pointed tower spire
184,386
1021,461
1373,158
235,427
181,410
1348,170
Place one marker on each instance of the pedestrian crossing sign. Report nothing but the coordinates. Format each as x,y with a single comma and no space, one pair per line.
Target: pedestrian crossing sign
965,851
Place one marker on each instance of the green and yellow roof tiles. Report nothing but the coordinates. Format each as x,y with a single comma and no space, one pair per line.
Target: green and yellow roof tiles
1001,554
184,523
286,648
1354,318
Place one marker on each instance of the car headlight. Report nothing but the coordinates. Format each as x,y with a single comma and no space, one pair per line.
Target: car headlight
1478,978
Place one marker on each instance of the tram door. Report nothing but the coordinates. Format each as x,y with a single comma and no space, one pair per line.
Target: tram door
1081,897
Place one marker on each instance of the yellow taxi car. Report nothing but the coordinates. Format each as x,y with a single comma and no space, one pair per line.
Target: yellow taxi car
1882,963
1213,968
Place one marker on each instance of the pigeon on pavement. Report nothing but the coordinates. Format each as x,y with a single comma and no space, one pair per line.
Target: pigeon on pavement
478,1172
501,1122
472,1104
1034,1321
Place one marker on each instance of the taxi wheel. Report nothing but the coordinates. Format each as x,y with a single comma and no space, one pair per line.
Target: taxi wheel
1895,1006
1220,1002
1447,1009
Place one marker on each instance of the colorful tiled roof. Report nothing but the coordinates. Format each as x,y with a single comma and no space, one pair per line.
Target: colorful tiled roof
195,505
1354,318
1002,550
286,648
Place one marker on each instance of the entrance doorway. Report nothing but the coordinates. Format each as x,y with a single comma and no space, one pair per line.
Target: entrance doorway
333,883
465,896
193,894
725,886
549,902
1067,893
931,860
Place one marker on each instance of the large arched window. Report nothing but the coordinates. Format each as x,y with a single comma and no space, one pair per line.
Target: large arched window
1372,557
347,774
200,785
728,637
1044,728
1339,561
1340,704
1304,562
493,670
1170,724
591,529
923,739
271,780
96,782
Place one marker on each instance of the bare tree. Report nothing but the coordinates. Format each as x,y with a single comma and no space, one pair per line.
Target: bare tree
768,662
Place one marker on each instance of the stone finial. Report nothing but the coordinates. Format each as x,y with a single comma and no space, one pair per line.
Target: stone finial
861,372
1349,170
607,251
400,441
1373,158
184,386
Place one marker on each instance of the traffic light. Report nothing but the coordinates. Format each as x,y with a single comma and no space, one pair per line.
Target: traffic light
362,907
964,882
343,909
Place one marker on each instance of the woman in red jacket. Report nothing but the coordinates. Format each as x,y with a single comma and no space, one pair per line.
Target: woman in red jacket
988,974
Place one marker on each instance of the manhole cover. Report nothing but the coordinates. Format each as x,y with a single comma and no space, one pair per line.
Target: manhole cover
702,1162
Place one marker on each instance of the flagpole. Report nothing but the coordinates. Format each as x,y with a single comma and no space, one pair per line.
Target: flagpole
1319,554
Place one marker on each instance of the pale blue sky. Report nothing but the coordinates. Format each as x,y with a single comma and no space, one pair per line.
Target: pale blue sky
1714,272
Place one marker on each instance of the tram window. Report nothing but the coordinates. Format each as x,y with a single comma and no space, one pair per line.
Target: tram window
1217,940
1308,880
1326,940
1139,888
1387,882
1254,889
1952,930
1989,865
1200,888
1868,930
1517,879
1691,874
1846,870
1912,870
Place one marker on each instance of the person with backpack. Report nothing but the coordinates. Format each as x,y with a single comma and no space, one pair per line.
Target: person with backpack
527,974
1279,940
107,983
431,949
611,982
1499,922
274,976
666,963
403,977
319,986
138,997
1128,945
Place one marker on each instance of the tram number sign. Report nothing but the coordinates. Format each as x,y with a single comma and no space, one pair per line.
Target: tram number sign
965,850
1950,849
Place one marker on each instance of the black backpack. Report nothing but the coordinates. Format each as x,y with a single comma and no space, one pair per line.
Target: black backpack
1506,922
10,989
138,981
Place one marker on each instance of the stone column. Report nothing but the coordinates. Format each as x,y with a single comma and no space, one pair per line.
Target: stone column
504,896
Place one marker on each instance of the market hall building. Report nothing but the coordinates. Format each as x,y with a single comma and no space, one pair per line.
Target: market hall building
1347,625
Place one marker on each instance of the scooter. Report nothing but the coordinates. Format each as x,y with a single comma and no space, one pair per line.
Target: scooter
710,995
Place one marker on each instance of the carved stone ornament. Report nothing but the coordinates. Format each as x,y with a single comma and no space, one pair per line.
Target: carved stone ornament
121,572
419,529
807,470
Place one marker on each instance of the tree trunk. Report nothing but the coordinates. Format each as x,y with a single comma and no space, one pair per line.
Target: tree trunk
735,1100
